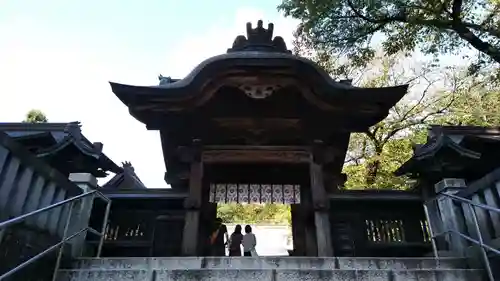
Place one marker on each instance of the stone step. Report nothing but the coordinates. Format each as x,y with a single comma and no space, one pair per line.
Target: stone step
271,275
269,263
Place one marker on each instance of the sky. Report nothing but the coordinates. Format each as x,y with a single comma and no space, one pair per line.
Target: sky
59,55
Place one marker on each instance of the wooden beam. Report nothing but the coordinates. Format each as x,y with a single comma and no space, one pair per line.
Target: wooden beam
255,156
256,147
375,195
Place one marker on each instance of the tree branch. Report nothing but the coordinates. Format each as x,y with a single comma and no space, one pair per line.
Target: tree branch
359,14
461,28
419,102
476,42
456,9
376,142
482,27
420,120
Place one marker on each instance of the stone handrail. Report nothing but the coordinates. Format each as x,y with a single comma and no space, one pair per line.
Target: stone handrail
484,191
487,182
465,218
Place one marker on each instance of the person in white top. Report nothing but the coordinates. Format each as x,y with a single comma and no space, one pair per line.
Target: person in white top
249,242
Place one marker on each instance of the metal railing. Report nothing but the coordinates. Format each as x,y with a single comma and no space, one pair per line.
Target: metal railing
65,238
449,232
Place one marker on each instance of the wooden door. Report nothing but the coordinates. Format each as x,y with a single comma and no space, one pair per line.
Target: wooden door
168,236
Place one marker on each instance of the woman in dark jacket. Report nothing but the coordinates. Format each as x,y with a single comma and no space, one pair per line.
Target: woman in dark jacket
217,245
235,242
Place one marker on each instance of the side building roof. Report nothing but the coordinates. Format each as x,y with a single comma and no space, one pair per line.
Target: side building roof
62,144
454,151
127,179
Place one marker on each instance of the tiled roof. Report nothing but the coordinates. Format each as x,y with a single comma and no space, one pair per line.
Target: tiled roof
46,139
127,179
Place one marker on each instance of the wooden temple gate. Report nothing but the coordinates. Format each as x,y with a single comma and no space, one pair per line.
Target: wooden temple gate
259,117
215,169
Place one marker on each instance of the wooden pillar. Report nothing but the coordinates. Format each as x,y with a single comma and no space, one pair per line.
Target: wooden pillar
307,217
298,230
208,216
193,204
321,204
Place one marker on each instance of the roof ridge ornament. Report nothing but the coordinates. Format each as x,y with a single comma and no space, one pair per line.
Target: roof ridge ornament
74,129
259,39
164,80
98,146
127,166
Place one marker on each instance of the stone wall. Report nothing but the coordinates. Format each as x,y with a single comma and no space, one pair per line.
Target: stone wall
21,243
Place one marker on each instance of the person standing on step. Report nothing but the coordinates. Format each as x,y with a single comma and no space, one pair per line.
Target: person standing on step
217,243
249,242
235,242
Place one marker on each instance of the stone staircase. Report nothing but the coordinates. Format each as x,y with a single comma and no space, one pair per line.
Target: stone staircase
270,269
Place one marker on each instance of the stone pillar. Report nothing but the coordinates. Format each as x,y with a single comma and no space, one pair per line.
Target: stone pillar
321,204
82,210
193,204
447,215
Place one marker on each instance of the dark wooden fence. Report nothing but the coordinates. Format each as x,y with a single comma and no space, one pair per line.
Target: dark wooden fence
378,223
142,226
373,223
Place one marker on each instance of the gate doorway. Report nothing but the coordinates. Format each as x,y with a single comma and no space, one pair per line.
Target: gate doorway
257,187
271,224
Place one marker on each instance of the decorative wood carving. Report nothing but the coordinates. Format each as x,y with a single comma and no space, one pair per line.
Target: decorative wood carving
192,204
192,153
334,183
258,125
229,156
250,193
321,205
318,152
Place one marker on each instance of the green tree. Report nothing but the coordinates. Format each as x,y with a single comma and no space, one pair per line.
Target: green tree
477,103
437,95
463,100
255,213
35,116
348,27
374,155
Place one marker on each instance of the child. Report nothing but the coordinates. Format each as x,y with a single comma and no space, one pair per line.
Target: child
249,242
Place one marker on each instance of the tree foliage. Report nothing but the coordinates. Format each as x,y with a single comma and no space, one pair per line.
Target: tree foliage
349,27
374,155
35,116
255,213
476,104
437,95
